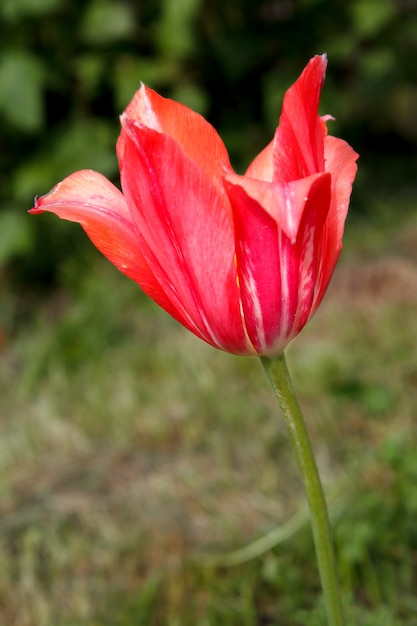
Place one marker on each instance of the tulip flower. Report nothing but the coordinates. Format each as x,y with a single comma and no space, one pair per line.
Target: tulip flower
242,261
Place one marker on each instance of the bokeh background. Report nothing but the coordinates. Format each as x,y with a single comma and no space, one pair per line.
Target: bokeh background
134,460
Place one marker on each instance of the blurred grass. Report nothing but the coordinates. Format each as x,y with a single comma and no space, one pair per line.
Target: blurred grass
130,452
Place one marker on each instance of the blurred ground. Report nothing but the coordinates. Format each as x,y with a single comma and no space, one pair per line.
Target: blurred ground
130,452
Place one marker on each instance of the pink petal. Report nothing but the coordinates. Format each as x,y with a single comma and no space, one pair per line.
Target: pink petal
262,166
90,199
185,232
285,202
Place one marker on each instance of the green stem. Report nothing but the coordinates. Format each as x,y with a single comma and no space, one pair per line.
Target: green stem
279,377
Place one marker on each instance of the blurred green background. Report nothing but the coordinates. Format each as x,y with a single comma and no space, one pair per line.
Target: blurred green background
68,69
133,458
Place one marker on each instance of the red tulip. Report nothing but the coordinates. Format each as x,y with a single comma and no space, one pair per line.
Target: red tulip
241,261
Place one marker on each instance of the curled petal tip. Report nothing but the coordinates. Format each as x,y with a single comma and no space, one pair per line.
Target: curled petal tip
323,58
35,210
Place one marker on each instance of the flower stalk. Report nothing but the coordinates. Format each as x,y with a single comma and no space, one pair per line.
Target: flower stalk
279,377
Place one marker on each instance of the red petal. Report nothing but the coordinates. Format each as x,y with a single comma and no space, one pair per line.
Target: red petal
186,234
277,278
196,137
298,142
340,161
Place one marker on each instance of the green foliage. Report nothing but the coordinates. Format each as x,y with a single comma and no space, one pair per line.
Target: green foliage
70,68
14,10
106,22
22,79
370,17
175,30
15,236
